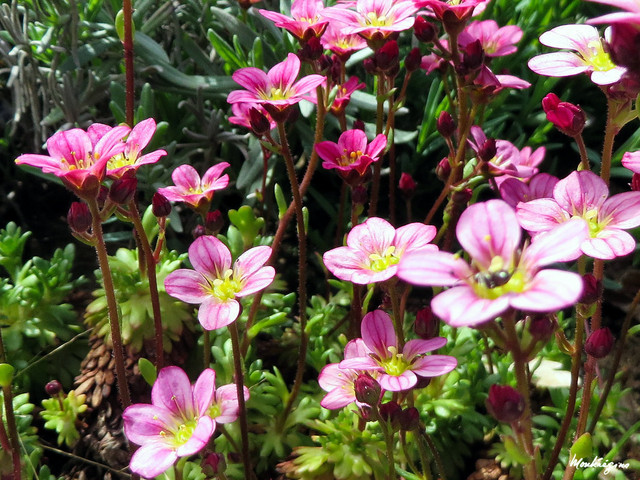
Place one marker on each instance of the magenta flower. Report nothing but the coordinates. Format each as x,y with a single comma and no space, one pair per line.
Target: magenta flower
397,370
501,275
343,96
174,425
374,249
277,88
495,41
130,158
339,382
191,189
591,56
374,19
514,190
631,160
351,152
224,404
215,284
340,43
80,163
632,14
453,11
585,195
242,115
306,19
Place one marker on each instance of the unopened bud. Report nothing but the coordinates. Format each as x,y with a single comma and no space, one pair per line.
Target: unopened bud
369,66
123,189
592,289
160,206
541,327
359,195
473,56
79,217
213,464
488,150
311,50
443,169
462,197
259,122
103,193
359,125
387,57
505,403
214,222
445,124
635,182
599,343
198,231
390,413
570,119
53,388
427,325
407,185
409,419
325,62
367,389
413,60
424,30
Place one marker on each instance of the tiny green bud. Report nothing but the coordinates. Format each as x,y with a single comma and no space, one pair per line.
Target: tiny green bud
6,374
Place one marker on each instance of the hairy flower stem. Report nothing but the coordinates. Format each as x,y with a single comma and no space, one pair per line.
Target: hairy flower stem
286,218
127,11
616,360
242,408
584,158
434,452
355,316
573,393
522,383
398,315
387,433
377,166
112,304
150,263
302,274
13,431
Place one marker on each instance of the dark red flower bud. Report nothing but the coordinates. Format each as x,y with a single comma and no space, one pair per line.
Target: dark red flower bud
445,124
335,72
427,325
635,182
259,122
567,117
387,57
473,56
592,289
599,343
462,197
541,327
409,419
79,217
407,185
488,150
213,464
423,382
198,231
505,403
278,113
160,206
424,30
413,60
53,388
311,50
213,222
369,66
359,125
123,189
102,196
367,389
325,62
390,413
443,169
359,195
623,46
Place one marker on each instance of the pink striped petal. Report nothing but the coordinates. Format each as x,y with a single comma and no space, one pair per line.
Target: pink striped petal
461,307
549,291
252,260
199,438
71,145
204,390
283,74
434,365
413,236
152,459
630,160
378,333
213,315
621,210
251,78
186,285
209,256
540,215
172,391
398,383
212,176
580,191
610,243
257,281
558,64
375,235
186,177
337,398
560,244
416,347
431,268
143,422
572,37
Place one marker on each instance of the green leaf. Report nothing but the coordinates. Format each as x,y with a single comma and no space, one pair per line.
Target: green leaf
148,371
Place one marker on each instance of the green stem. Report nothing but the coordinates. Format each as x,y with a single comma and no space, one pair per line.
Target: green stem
377,166
13,431
150,263
112,305
206,348
302,273
398,317
242,408
610,133
584,158
127,11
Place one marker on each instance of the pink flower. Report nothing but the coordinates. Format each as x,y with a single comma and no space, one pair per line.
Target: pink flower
216,284
224,404
374,19
340,43
351,152
339,382
242,115
174,425
452,11
192,190
631,160
591,56
501,274
632,14
496,42
584,195
130,158
397,370
79,162
507,155
513,190
306,19
277,88
343,96
570,119
374,249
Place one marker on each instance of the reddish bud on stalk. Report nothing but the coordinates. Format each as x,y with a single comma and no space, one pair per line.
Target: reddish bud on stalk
635,182
160,206
591,290
424,30
413,60
567,117
427,325
407,185
259,122
505,403
123,189
599,343
79,217
214,222
53,388
443,169
409,419
445,124
367,389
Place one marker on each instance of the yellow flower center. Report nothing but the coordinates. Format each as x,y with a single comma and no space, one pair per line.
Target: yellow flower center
379,262
596,56
225,288
183,432
349,158
395,365
374,20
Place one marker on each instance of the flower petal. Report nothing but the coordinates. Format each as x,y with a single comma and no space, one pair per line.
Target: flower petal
398,383
209,256
413,236
214,314
204,389
621,210
199,438
461,307
580,191
337,398
549,291
378,333
561,244
186,285
557,64
416,347
610,243
152,460
143,422
431,268
172,391
434,365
